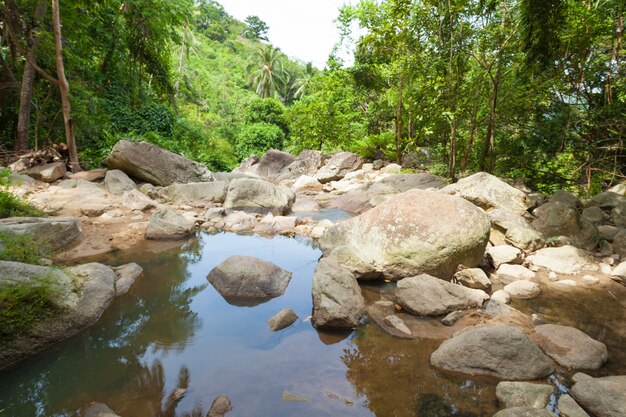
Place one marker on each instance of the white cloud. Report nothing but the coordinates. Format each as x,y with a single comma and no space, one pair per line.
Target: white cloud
302,29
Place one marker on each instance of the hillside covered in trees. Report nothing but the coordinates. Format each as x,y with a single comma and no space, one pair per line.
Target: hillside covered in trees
528,89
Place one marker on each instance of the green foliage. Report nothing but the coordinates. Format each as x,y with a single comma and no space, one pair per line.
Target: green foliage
10,204
257,138
21,248
22,306
257,28
269,111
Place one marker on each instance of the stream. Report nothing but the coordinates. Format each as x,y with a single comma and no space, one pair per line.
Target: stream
173,330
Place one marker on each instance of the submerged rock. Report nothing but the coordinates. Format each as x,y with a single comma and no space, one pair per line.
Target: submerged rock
155,165
220,406
99,410
284,318
523,394
426,295
245,278
570,347
501,351
337,298
412,233
602,397
258,196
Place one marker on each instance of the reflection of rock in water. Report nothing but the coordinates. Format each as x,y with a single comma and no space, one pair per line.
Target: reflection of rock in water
431,405
396,377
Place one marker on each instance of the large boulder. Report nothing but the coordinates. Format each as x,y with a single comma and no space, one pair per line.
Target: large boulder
195,192
602,397
258,196
166,224
244,278
80,295
425,295
516,230
307,163
273,163
337,298
416,232
570,347
117,182
501,351
559,219
155,165
490,192
52,233
338,166
48,172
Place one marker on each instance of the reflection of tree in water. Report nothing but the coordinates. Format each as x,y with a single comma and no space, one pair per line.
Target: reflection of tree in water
397,379
104,364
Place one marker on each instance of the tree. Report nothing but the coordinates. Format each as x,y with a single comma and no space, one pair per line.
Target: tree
303,83
257,29
267,72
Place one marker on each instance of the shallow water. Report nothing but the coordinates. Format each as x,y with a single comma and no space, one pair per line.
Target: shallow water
174,330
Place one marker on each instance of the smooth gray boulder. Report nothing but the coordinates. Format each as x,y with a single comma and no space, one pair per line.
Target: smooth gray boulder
284,318
273,163
338,166
155,165
564,260
524,412
136,200
516,230
258,196
523,289
126,275
80,294
523,394
503,254
48,172
337,298
241,278
416,232
569,408
501,351
509,273
117,182
558,219
166,224
602,397
195,192
426,295
570,347
52,233
306,163
490,192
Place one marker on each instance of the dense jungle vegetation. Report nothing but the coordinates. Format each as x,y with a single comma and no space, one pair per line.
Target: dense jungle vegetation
531,89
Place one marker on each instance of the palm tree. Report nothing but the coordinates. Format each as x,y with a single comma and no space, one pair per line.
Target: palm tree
267,72
303,83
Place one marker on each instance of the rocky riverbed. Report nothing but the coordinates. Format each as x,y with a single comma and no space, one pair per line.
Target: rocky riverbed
469,265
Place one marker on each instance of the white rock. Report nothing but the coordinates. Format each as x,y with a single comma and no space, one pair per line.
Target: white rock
509,273
523,290
501,296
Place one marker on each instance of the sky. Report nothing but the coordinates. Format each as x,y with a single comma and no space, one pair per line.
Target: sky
302,29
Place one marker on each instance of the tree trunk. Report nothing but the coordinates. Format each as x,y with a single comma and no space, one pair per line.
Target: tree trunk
470,142
399,124
26,94
488,160
64,89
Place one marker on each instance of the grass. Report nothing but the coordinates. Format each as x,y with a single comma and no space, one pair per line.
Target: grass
21,248
22,306
13,206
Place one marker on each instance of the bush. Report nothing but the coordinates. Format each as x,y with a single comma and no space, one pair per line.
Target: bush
22,306
10,204
257,138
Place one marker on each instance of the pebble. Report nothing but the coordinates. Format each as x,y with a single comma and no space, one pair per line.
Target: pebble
591,280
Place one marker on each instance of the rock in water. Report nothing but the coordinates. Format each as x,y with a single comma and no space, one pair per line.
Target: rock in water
240,279
524,412
570,347
490,192
426,295
258,196
416,232
474,278
221,405
99,410
166,224
155,165
523,289
284,318
501,351
602,397
523,394
569,408
337,298
52,233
